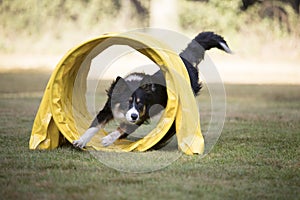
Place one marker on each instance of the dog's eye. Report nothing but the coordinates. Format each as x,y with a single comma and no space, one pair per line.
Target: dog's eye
140,106
138,100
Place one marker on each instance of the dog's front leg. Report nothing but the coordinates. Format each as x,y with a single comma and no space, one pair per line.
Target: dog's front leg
112,137
86,137
88,134
99,122
122,132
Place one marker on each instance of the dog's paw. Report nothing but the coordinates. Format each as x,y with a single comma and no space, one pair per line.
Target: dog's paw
107,140
110,138
79,143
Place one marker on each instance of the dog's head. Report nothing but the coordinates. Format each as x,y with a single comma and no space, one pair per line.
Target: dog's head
137,105
130,100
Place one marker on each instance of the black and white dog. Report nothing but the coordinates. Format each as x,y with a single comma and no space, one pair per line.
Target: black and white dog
132,99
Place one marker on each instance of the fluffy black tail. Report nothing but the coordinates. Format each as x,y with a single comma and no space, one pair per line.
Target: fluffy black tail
194,53
195,50
210,40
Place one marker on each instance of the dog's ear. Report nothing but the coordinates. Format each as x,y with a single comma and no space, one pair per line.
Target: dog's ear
118,78
120,85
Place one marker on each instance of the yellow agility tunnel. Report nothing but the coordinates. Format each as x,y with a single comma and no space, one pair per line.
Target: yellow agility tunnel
62,106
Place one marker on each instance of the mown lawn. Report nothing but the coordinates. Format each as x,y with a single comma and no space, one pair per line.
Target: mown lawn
256,157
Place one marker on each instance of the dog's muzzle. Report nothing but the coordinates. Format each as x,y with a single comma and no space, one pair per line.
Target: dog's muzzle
132,115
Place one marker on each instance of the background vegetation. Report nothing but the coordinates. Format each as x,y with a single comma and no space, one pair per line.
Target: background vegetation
54,26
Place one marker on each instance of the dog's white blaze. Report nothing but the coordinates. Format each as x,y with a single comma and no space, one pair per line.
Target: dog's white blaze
130,112
134,77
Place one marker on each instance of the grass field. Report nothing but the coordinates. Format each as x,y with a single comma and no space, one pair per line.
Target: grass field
256,157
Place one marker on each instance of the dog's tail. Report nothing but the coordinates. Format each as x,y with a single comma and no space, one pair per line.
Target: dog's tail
195,50
194,53
210,40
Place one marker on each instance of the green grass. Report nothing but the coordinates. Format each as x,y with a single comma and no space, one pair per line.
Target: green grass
256,157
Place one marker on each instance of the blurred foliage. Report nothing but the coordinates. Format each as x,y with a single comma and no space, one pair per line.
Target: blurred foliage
40,24
227,17
248,32
37,23
33,16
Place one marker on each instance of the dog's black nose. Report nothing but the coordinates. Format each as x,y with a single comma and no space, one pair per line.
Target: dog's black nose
134,116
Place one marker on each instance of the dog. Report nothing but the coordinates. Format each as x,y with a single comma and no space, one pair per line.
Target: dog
137,97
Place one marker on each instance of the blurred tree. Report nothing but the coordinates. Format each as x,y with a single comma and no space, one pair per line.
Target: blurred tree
293,3
140,8
134,12
273,10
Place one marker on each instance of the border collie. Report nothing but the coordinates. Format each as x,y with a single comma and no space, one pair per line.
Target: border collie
134,99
